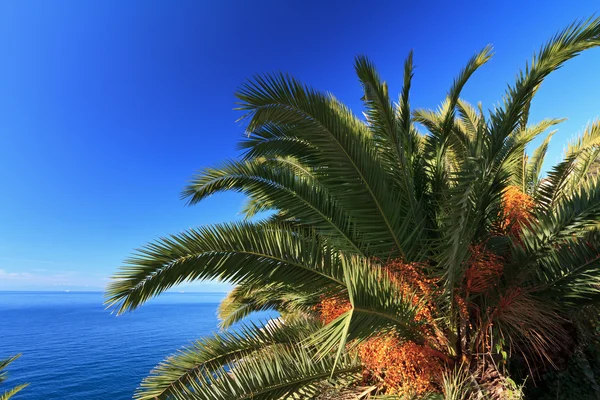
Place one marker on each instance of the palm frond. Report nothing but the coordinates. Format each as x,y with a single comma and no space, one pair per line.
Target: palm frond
570,272
442,127
393,132
11,392
579,155
441,130
234,253
212,354
253,207
284,185
247,298
380,111
572,217
520,139
470,117
533,167
473,65
291,371
340,146
4,363
562,47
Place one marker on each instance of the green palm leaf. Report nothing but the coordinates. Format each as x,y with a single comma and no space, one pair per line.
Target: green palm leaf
211,354
4,374
292,372
580,154
285,185
231,252
341,146
561,48
533,167
10,393
247,298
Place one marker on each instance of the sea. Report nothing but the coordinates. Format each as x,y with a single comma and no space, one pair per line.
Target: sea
73,348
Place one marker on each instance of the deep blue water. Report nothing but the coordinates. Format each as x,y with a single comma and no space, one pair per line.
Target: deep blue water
75,349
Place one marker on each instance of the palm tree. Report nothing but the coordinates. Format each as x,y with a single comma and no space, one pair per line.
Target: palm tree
402,263
3,375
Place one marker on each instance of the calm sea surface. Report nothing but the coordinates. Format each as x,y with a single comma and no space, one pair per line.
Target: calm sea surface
75,349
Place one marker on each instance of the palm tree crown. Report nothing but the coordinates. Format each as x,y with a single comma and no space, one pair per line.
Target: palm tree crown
400,261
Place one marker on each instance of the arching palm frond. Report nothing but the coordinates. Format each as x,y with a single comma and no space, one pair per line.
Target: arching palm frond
395,135
571,218
437,142
223,350
569,272
284,185
241,252
342,148
580,154
533,167
243,300
285,373
562,47
3,375
517,158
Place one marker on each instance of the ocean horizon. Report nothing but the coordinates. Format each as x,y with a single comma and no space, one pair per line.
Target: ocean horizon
74,348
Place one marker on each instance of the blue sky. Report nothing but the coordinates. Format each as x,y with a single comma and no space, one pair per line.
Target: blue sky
108,107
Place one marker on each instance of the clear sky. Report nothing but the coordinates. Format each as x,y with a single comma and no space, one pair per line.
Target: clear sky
107,107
